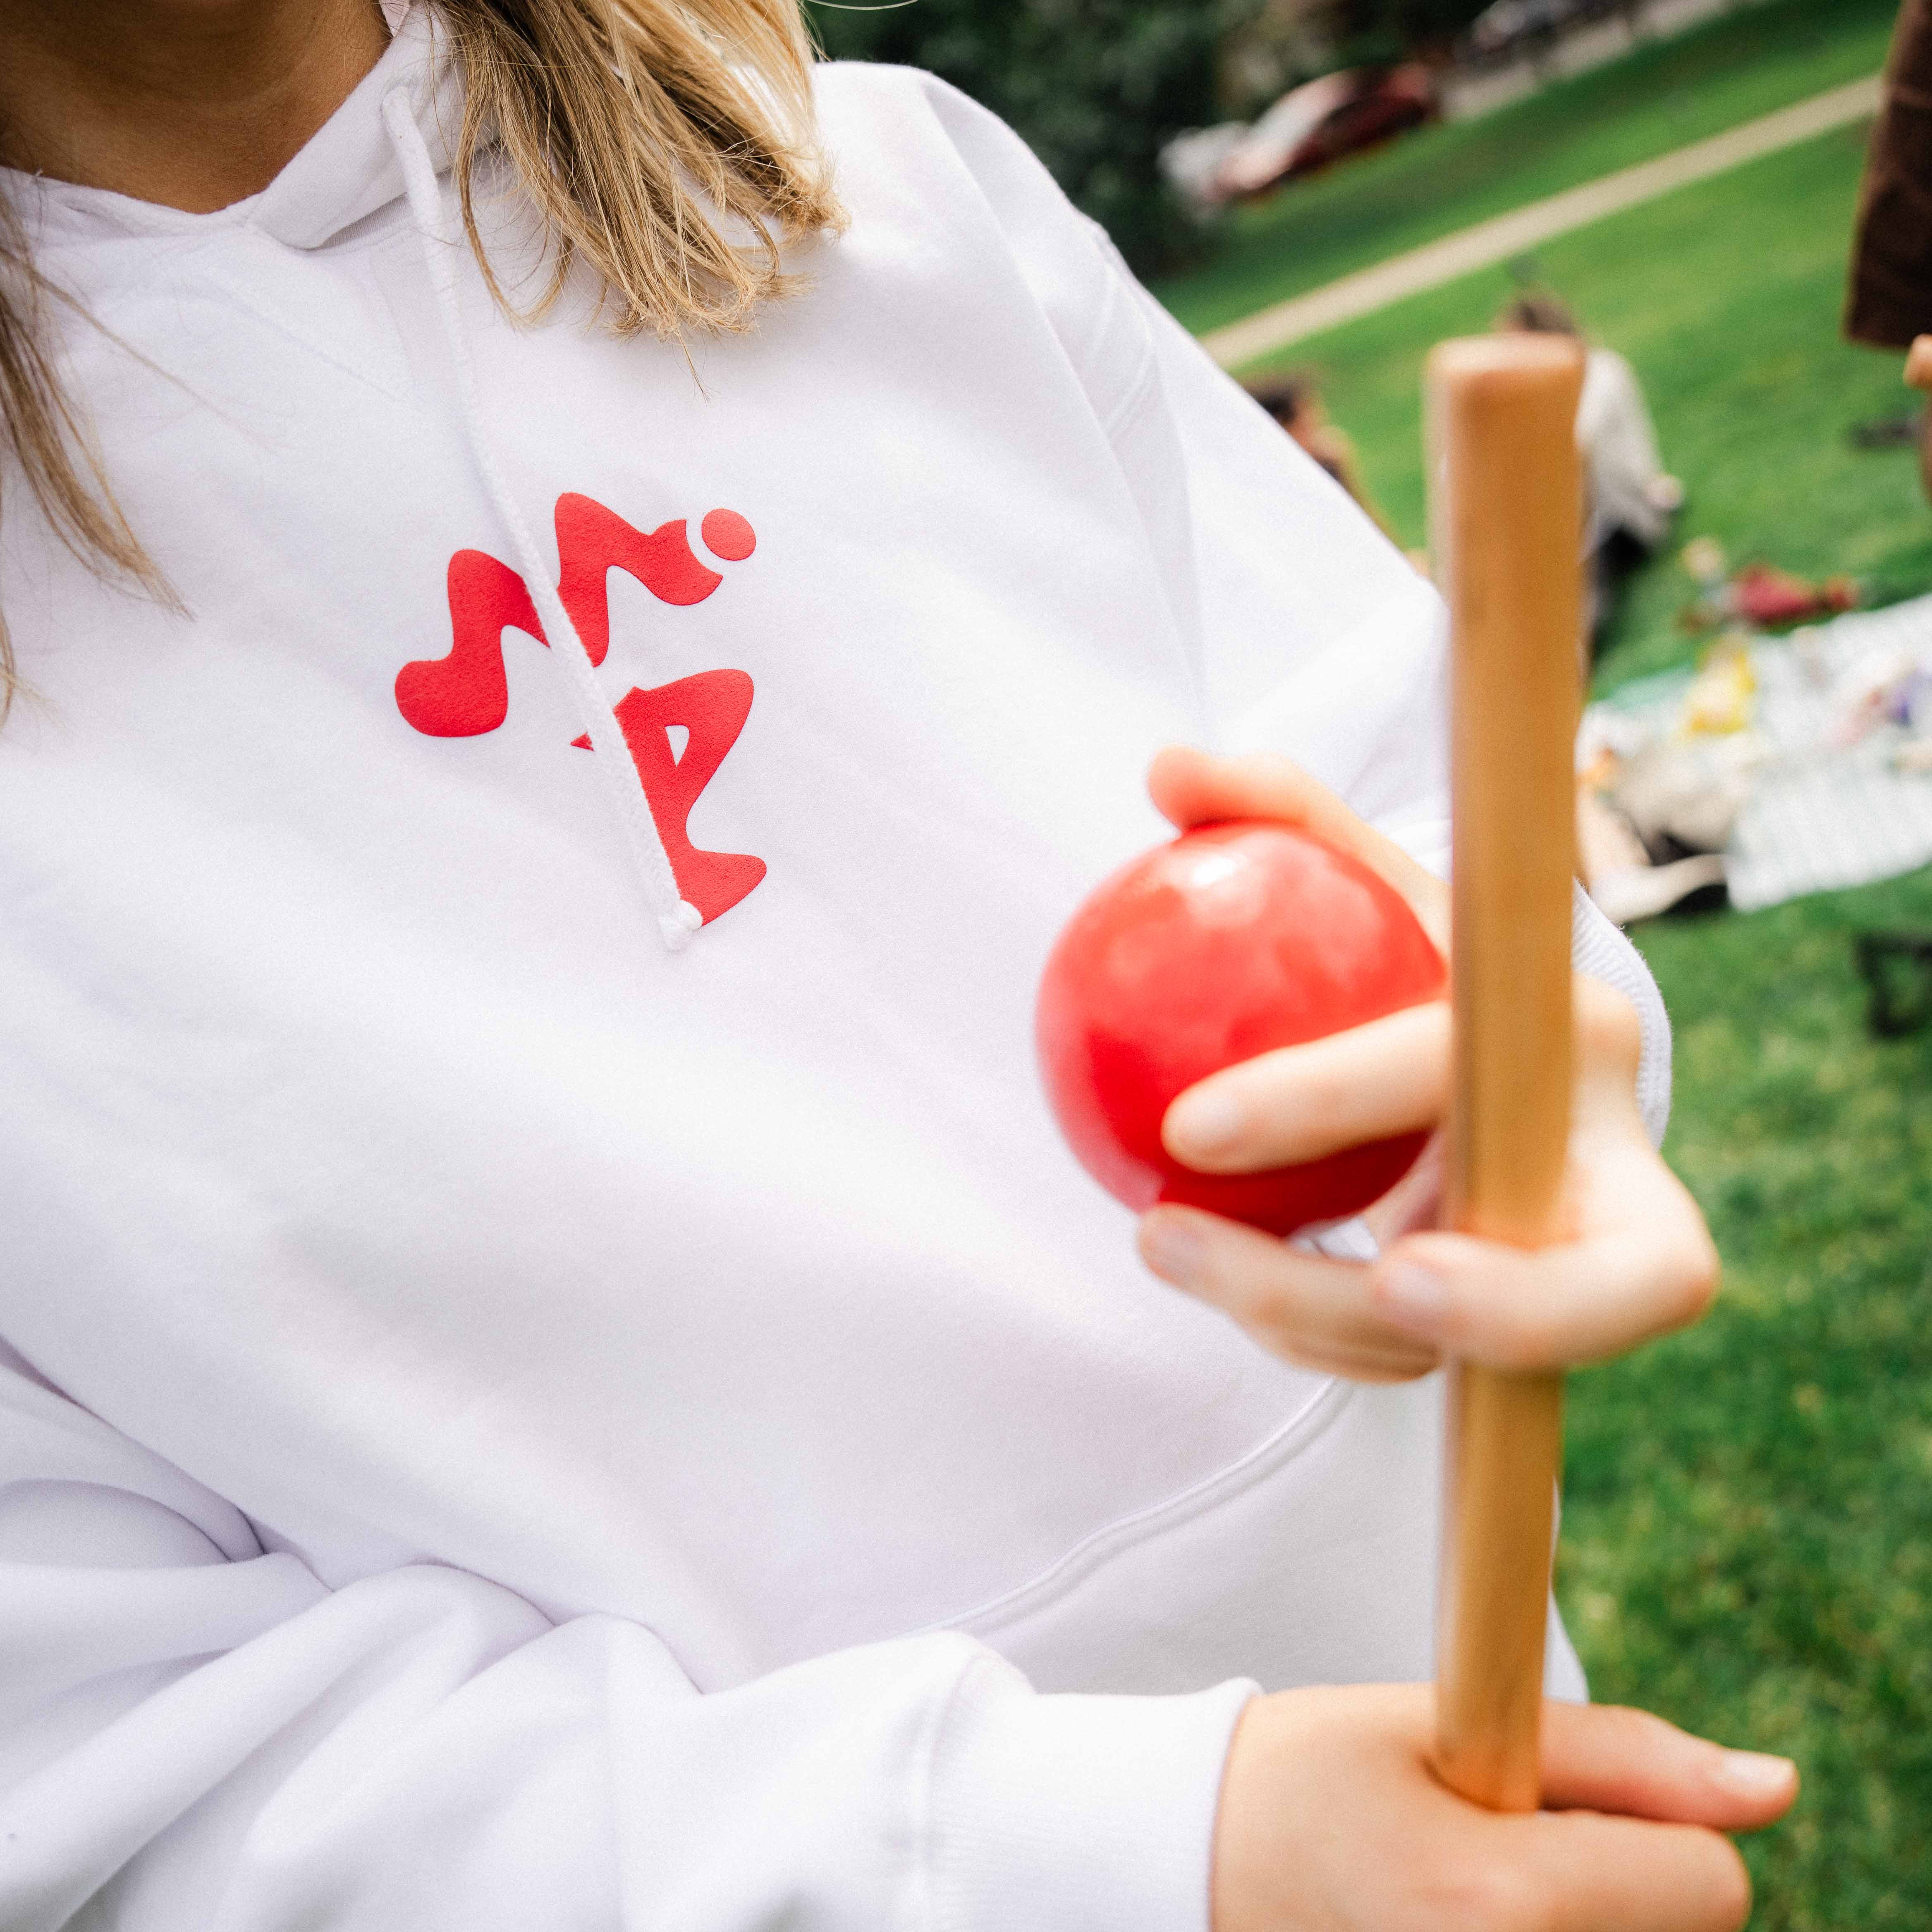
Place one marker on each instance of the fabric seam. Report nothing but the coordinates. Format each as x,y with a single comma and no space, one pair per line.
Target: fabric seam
1135,404
292,330
1101,1546
925,1841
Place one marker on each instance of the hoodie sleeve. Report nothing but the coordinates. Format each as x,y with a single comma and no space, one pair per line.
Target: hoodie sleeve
199,1735
1311,634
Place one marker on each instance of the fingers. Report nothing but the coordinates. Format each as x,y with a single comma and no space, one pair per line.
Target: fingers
1432,1294
1301,1306
1641,1263
1629,1835
1389,1076
1588,1863
1608,1037
1607,1758
1191,788
1651,1271
1577,1872
1331,1816
1300,1103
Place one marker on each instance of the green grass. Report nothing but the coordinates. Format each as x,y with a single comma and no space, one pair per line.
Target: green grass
1445,178
1747,1530
1726,296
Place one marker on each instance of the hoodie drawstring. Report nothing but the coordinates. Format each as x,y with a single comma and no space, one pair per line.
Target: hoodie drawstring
677,918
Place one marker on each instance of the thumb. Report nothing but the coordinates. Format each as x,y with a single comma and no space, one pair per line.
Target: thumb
1192,787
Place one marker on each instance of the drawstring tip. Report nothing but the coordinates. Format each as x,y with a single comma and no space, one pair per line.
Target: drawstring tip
678,927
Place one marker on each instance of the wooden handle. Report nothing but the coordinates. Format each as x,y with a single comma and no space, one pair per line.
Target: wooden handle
1508,522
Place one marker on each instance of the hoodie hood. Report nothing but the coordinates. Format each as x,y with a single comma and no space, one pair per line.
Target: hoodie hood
351,169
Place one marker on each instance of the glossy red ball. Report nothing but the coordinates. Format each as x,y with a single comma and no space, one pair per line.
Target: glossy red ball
1232,940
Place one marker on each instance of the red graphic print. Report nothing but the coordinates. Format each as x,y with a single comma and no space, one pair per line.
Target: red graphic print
591,541
726,534
467,692
713,707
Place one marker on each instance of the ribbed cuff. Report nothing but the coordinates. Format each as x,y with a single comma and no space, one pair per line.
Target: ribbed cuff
1070,1814
1598,948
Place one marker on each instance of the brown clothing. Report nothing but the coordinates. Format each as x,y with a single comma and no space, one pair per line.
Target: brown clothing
1890,300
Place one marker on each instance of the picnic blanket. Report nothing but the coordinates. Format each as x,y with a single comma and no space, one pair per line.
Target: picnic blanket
1824,808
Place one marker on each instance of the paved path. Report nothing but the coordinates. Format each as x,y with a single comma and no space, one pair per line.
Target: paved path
1489,242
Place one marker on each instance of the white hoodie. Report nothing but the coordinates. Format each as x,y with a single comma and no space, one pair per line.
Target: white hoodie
508,1424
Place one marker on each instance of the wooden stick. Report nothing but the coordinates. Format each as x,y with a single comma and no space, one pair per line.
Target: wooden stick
1507,534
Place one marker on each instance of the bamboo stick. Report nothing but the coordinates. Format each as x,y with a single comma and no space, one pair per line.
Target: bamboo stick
1507,519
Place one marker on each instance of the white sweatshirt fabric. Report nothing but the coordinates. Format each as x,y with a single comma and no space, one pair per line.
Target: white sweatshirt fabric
510,1419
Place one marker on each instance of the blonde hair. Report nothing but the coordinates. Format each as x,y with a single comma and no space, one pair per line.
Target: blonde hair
640,131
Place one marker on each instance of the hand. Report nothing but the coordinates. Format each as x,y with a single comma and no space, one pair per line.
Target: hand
1331,1820
1640,1261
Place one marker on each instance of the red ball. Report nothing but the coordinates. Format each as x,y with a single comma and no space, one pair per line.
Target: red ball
1232,940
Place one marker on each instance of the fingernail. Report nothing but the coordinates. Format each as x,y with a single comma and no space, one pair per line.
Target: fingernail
1411,1292
1206,1123
1174,1248
1754,1774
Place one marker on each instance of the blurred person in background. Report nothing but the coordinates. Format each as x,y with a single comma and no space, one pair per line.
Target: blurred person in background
1632,501
1295,403
1889,305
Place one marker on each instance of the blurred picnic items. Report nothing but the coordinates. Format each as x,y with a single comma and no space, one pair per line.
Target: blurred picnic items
1760,594
1775,767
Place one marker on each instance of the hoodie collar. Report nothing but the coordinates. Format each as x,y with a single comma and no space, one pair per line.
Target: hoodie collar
348,169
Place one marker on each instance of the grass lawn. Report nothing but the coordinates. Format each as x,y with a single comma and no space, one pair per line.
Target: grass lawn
1726,296
1747,1523
1445,178
1747,1534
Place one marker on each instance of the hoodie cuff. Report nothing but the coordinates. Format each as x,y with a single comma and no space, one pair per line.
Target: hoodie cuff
1600,949
1066,1813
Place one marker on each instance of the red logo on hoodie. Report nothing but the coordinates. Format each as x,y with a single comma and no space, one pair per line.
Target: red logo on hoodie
467,693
